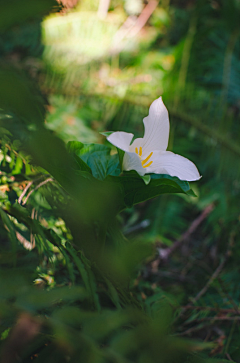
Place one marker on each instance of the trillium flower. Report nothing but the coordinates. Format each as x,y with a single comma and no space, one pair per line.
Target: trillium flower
148,154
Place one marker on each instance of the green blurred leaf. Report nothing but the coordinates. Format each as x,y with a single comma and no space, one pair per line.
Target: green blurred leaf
71,315
11,230
119,267
5,334
20,96
14,12
37,299
13,282
88,277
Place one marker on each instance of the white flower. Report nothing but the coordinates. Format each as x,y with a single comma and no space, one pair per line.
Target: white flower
148,154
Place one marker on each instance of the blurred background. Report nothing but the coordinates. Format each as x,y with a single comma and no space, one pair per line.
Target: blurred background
87,66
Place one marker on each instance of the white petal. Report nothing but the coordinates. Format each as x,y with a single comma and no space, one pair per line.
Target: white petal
121,140
132,162
156,126
136,144
172,164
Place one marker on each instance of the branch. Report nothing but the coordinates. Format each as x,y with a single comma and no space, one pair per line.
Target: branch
132,27
164,253
209,308
28,245
143,18
38,186
216,272
27,187
103,8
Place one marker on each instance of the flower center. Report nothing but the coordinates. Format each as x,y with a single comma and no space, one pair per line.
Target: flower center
139,153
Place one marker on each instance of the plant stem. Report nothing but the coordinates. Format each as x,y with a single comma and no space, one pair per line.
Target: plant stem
185,59
227,63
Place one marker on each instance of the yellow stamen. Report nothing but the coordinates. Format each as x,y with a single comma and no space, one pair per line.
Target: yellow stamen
144,161
145,166
140,151
136,150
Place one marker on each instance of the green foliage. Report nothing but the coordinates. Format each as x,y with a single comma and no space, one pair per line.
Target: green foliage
96,160
24,11
73,288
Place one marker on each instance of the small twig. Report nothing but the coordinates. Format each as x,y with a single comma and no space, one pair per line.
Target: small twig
228,357
193,329
20,237
15,153
216,272
132,27
28,245
27,187
224,290
103,8
210,281
25,191
164,253
213,318
32,237
143,17
38,186
144,224
191,229
209,308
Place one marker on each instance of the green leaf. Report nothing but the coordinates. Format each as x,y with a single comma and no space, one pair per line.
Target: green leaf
98,159
120,155
38,299
81,267
16,92
18,166
113,293
13,282
88,277
23,11
107,133
136,191
12,232
146,179
70,315
75,147
120,152
5,333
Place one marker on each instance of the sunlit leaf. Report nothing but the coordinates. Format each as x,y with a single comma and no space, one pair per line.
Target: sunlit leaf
98,159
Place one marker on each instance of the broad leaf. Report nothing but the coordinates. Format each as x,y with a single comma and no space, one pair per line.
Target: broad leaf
136,191
97,158
75,148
